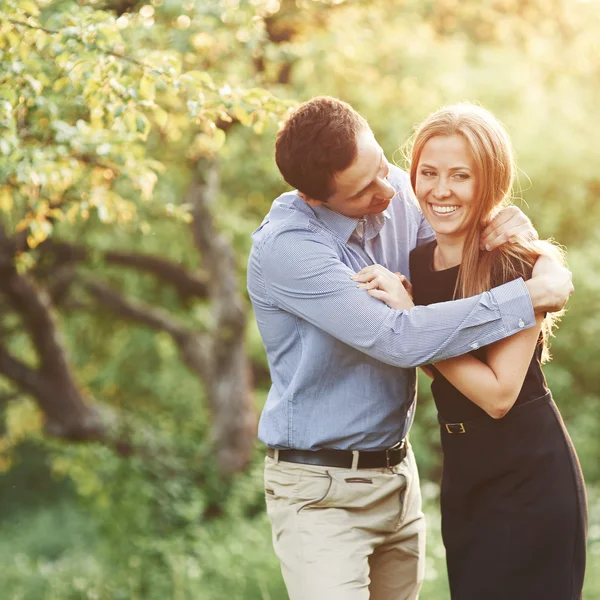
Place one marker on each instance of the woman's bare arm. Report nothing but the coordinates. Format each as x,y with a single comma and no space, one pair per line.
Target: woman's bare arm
494,385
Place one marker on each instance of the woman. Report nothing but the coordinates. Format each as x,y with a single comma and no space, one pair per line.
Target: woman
512,496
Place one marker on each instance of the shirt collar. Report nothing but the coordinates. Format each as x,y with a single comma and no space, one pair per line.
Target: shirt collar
375,223
343,226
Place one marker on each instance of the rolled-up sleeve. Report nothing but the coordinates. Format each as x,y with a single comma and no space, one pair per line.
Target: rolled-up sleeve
303,275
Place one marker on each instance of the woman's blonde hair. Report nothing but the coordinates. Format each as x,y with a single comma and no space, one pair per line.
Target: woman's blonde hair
492,153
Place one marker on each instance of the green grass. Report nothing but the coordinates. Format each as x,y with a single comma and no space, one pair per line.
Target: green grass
56,553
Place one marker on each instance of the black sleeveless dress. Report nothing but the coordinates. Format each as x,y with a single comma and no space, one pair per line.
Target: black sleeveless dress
512,496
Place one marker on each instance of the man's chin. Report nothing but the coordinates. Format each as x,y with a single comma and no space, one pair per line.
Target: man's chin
379,207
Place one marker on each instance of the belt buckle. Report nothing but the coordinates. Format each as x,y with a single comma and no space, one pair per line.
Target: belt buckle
455,428
397,446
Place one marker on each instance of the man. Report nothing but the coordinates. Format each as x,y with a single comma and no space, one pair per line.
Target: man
341,483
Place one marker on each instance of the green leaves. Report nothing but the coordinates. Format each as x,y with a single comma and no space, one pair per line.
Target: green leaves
6,199
81,94
29,7
147,87
199,79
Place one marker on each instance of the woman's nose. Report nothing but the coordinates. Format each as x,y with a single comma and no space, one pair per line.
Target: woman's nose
441,190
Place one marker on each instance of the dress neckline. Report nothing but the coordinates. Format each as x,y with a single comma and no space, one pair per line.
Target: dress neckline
432,269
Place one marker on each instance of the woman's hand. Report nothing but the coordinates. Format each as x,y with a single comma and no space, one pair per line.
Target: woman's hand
392,288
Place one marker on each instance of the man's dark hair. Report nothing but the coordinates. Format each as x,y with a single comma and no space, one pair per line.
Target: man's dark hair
317,141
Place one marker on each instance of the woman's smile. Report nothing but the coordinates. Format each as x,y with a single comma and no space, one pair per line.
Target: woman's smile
444,210
445,184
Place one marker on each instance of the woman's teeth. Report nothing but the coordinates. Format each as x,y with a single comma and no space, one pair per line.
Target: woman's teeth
444,210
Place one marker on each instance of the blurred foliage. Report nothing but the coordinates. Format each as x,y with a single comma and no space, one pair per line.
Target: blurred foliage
105,109
94,105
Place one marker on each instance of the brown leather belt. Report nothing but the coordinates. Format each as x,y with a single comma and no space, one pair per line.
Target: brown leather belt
367,459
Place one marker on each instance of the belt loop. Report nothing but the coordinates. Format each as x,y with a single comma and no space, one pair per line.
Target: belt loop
276,455
355,455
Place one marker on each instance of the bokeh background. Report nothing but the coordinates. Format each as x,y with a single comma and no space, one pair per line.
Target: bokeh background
136,143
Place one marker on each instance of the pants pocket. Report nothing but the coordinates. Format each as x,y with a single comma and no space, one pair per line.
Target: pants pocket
291,484
318,490
280,483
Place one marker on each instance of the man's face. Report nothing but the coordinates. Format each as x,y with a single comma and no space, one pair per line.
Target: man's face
361,189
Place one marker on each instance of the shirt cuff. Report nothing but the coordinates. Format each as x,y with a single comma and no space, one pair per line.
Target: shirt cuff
514,303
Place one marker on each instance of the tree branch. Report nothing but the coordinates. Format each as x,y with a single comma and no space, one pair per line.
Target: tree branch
217,254
188,285
133,311
26,378
68,412
193,345
228,384
94,47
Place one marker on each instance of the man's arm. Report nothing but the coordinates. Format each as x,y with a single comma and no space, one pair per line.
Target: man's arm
551,285
304,276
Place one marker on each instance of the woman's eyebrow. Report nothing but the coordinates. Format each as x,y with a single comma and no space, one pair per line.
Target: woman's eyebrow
458,168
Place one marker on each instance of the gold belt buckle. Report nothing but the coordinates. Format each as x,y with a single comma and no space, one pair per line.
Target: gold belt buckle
455,428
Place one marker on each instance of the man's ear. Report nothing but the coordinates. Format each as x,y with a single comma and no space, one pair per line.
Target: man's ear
309,201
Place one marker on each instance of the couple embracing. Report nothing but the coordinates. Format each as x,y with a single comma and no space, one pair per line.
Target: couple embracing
354,284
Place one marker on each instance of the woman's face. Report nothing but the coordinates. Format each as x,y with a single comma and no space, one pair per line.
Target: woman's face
445,184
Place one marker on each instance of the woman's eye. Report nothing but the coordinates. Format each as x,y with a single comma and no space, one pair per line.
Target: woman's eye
427,173
461,176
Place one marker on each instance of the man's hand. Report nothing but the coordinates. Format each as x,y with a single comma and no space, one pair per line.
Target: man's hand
550,285
509,223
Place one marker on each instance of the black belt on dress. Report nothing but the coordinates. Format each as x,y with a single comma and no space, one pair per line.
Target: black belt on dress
516,410
367,459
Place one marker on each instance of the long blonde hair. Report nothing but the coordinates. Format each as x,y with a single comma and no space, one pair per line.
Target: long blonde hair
492,153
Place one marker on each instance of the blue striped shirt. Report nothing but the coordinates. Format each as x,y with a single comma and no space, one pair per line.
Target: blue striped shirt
341,362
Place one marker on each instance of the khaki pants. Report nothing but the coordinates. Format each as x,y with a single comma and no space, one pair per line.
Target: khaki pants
344,534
